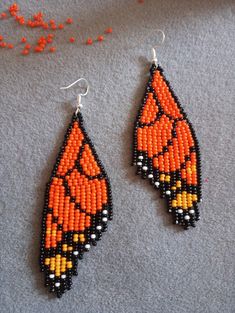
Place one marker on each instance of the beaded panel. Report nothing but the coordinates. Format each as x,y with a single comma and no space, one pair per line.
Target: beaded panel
166,150
77,208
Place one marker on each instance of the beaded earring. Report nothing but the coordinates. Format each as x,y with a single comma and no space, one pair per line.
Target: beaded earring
78,205
166,149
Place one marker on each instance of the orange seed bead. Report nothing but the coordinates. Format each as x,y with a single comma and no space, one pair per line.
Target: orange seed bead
52,49
109,30
100,38
89,41
69,20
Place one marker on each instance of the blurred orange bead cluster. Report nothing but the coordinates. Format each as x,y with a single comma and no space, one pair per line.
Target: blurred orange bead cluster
38,21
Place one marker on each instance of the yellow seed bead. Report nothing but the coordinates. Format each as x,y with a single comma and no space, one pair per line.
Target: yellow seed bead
179,199
69,264
173,188
167,178
82,238
194,168
189,171
75,237
47,261
162,177
70,248
174,203
178,184
64,247
194,197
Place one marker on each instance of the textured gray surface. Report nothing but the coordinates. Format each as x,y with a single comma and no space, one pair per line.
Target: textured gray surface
143,264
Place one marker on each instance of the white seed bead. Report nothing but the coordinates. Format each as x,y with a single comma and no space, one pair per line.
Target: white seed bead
140,157
187,217
150,176
99,227
168,192
139,163
87,246
157,183
104,219
180,211
191,211
51,275
145,168
93,236
57,284
75,252
104,212
63,276
177,222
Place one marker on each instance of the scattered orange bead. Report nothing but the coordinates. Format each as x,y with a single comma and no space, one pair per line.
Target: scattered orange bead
51,22
89,41
29,23
13,9
38,16
3,15
1,38
3,44
38,49
42,40
27,47
109,30
52,49
23,40
61,26
53,27
45,25
20,19
25,52
69,20
72,39
100,38
10,46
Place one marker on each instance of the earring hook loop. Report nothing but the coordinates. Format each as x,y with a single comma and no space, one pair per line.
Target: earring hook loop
155,60
80,95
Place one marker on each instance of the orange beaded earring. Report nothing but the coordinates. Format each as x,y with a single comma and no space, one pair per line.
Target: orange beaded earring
166,149
78,205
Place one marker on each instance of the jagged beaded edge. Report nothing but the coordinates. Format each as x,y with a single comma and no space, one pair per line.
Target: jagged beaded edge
97,218
151,175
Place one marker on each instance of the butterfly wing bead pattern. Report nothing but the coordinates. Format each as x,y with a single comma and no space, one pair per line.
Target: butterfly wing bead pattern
78,205
166,150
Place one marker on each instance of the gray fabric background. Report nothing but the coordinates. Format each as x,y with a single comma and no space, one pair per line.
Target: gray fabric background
143,263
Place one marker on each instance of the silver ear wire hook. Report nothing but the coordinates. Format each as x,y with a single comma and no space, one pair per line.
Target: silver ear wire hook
80,95
155,60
